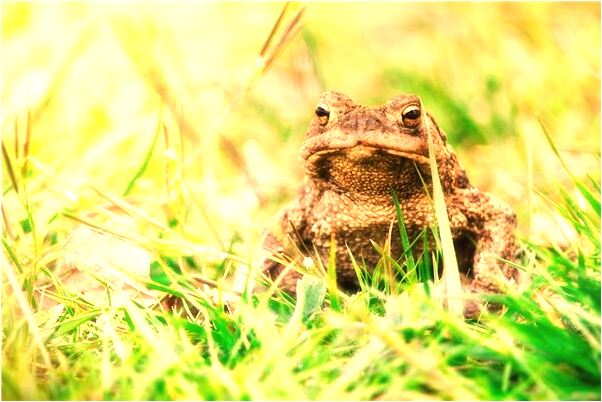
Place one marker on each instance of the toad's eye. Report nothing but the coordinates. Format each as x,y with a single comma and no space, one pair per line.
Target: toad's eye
323,114
411,115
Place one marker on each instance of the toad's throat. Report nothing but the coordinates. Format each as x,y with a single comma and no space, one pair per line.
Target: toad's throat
365,169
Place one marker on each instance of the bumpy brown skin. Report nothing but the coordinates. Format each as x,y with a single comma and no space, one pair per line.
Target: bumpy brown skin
353,157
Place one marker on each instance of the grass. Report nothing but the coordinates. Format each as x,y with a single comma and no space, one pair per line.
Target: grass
389,344
123,263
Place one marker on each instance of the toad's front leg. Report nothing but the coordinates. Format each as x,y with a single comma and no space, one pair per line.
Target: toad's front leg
288,241
492,224
282,241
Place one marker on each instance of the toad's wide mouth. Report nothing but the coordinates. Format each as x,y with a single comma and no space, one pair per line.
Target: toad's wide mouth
361,145
360,152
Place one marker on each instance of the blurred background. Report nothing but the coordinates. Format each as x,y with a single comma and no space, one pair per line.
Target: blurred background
193,113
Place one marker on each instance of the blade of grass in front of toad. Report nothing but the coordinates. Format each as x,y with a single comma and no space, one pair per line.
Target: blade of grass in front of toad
451,274
425,264
403,235
333,290
360,272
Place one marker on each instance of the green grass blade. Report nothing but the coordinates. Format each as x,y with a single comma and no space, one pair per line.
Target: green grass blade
331,272
145,162
403,234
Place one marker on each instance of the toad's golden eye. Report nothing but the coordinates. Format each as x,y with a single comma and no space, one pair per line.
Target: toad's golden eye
411,115
323,114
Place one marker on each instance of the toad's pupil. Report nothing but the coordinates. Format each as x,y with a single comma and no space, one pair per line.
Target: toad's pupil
320,111
412,114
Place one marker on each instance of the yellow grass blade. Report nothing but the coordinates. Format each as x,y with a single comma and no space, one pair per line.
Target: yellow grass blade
451,274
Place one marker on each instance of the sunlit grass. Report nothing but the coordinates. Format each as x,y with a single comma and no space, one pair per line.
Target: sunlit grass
142,161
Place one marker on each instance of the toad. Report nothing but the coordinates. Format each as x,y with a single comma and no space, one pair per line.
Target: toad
355,157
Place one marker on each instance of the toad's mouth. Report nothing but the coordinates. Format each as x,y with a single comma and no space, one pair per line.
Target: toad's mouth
365,145
363,154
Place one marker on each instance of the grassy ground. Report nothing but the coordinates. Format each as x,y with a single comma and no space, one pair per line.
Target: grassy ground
146,146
